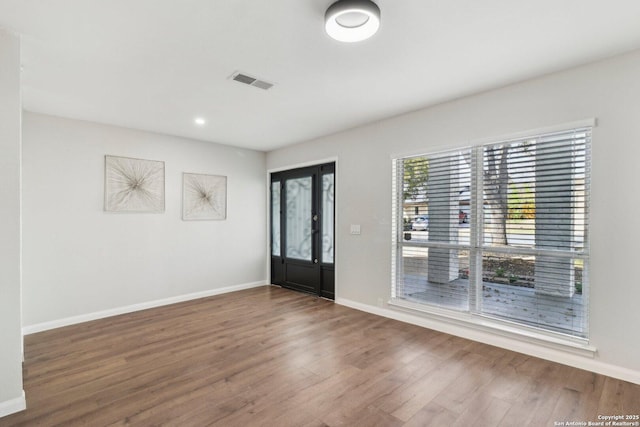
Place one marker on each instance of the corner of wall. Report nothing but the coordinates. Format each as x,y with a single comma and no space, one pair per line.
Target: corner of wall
12,406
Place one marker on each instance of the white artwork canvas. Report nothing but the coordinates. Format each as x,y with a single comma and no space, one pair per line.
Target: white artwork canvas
133,185
204,197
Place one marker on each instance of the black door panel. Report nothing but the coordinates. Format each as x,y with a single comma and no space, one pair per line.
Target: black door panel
302,227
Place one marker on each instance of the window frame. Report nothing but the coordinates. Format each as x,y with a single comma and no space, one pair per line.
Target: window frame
474,315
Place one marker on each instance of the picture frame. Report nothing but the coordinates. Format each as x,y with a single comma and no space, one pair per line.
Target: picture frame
134,185
204,197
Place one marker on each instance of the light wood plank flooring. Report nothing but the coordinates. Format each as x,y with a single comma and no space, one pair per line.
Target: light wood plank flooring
273,357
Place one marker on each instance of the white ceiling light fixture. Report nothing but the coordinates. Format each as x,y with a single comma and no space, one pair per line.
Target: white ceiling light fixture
200,121
352,20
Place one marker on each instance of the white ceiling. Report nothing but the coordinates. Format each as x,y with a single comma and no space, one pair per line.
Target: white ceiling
157,64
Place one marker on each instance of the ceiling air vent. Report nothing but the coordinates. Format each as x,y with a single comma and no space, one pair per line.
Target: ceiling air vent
251,81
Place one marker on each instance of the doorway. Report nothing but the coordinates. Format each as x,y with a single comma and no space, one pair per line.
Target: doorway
302,229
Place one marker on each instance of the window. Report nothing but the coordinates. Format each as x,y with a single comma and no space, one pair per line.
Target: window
497,231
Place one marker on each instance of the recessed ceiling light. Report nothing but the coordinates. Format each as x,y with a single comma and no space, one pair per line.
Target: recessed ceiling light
352,20
199,121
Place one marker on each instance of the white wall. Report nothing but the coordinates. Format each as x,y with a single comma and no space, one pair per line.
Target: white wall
11,395
607,90
80,260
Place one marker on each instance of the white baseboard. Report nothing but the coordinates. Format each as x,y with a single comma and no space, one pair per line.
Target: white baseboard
548,352
39,327
12,406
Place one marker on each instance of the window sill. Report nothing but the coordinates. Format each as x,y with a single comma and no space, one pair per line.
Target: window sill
555,341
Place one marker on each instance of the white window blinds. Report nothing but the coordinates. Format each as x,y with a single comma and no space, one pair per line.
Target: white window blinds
498,230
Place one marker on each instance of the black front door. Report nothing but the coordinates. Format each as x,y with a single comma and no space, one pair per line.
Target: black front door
302,229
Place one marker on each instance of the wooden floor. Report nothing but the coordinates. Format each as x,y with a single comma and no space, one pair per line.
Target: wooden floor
273,357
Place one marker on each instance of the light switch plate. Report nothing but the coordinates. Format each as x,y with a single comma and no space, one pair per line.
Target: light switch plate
355,228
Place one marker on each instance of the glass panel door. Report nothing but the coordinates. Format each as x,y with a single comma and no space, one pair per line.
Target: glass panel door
275,218
299,217
327,218
302,229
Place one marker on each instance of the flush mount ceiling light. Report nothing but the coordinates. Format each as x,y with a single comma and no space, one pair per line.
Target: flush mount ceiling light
200,121
352,20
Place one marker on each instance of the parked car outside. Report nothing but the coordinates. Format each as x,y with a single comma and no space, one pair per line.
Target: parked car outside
421,223
463,218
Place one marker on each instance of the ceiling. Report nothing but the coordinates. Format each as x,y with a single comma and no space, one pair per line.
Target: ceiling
157,64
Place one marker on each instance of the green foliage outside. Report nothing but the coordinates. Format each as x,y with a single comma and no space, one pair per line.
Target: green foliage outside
521,201
416,173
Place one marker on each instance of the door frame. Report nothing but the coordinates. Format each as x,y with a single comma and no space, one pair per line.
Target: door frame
336,202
